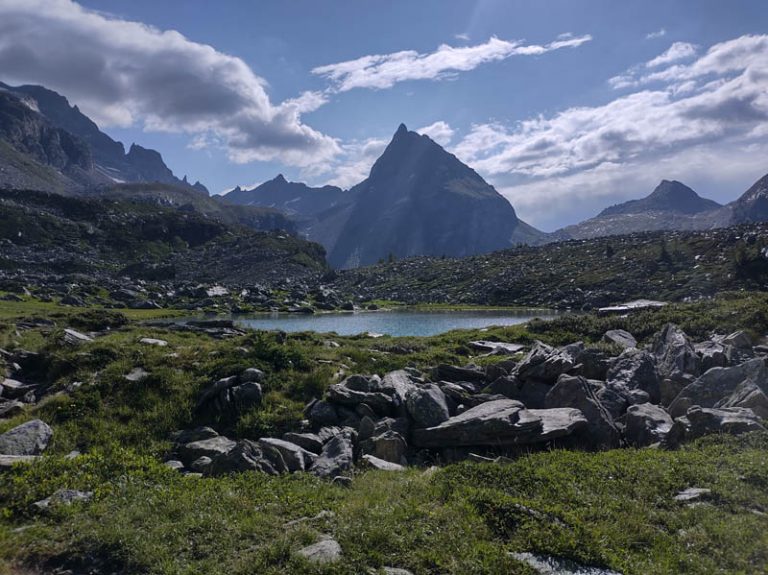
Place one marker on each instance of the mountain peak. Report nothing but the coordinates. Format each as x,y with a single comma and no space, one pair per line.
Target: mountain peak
280,178
668,196
401,129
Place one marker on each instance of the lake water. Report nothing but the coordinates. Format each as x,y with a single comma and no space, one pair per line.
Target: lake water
395,323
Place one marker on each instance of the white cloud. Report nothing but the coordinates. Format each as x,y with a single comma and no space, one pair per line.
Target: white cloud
385,70
353,164
462,37
657,34
122,73
441,132
677,51
714,105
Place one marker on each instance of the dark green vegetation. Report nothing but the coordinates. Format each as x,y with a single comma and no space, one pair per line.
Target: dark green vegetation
613,509
579,274
126,234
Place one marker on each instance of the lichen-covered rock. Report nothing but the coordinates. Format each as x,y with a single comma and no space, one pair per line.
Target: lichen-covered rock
30,438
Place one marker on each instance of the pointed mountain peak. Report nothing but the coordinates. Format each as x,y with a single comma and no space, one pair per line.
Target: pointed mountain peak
280,178
672,189
401,129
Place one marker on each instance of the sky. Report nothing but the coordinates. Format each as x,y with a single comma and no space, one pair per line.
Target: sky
565,106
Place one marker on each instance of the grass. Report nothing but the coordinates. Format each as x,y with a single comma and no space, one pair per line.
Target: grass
612,509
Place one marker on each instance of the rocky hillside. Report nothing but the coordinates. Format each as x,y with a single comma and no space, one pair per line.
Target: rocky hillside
578,273
121,235
41,125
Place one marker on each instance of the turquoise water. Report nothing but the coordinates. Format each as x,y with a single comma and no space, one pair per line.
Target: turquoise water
395,323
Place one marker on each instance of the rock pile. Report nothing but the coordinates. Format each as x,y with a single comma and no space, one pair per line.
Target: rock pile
571,396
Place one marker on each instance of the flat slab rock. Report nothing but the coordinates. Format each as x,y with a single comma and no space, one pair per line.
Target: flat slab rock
545,565
501,422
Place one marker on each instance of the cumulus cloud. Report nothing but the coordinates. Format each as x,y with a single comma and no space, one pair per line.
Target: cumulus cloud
353,163
441,132
122,73
385,70
715,103
677,51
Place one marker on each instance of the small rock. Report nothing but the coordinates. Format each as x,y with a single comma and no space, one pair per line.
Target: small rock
152,341
322,552
64,497
692,494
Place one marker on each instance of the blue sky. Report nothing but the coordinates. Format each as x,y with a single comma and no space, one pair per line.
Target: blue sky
565,106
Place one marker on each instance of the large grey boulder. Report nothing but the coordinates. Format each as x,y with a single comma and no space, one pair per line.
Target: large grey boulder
30,438
230,396
646,424
544,363
427,406
700,421
398,384
246,455
712,354
749,395
211,447
323,414
718,383
502,422
309,441
620,337
455,374
296,458
570,391
358,389
337,456
390,446
675,354
636,369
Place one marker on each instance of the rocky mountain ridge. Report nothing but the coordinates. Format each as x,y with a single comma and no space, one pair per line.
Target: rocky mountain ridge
38,113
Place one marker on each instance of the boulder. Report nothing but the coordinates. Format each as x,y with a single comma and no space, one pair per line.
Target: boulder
196,434
675,354
229,397
646,424
72,337
576,392
244,456
13,389
390,446
427,406
8,461
544,364
380,464
296,458
336,458
64,497
398,384
309,441
10,409
322,552
719,383
636,369
620,337
359,389
700,421
153,341
323,414
749,395
30,438
503,422
211,447
712,354
453,373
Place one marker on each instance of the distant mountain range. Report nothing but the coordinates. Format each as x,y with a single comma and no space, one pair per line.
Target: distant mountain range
65,150
417,200
672,206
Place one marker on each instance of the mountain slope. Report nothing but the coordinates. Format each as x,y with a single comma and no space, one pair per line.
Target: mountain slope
418,200
752,206
108,161
671,206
